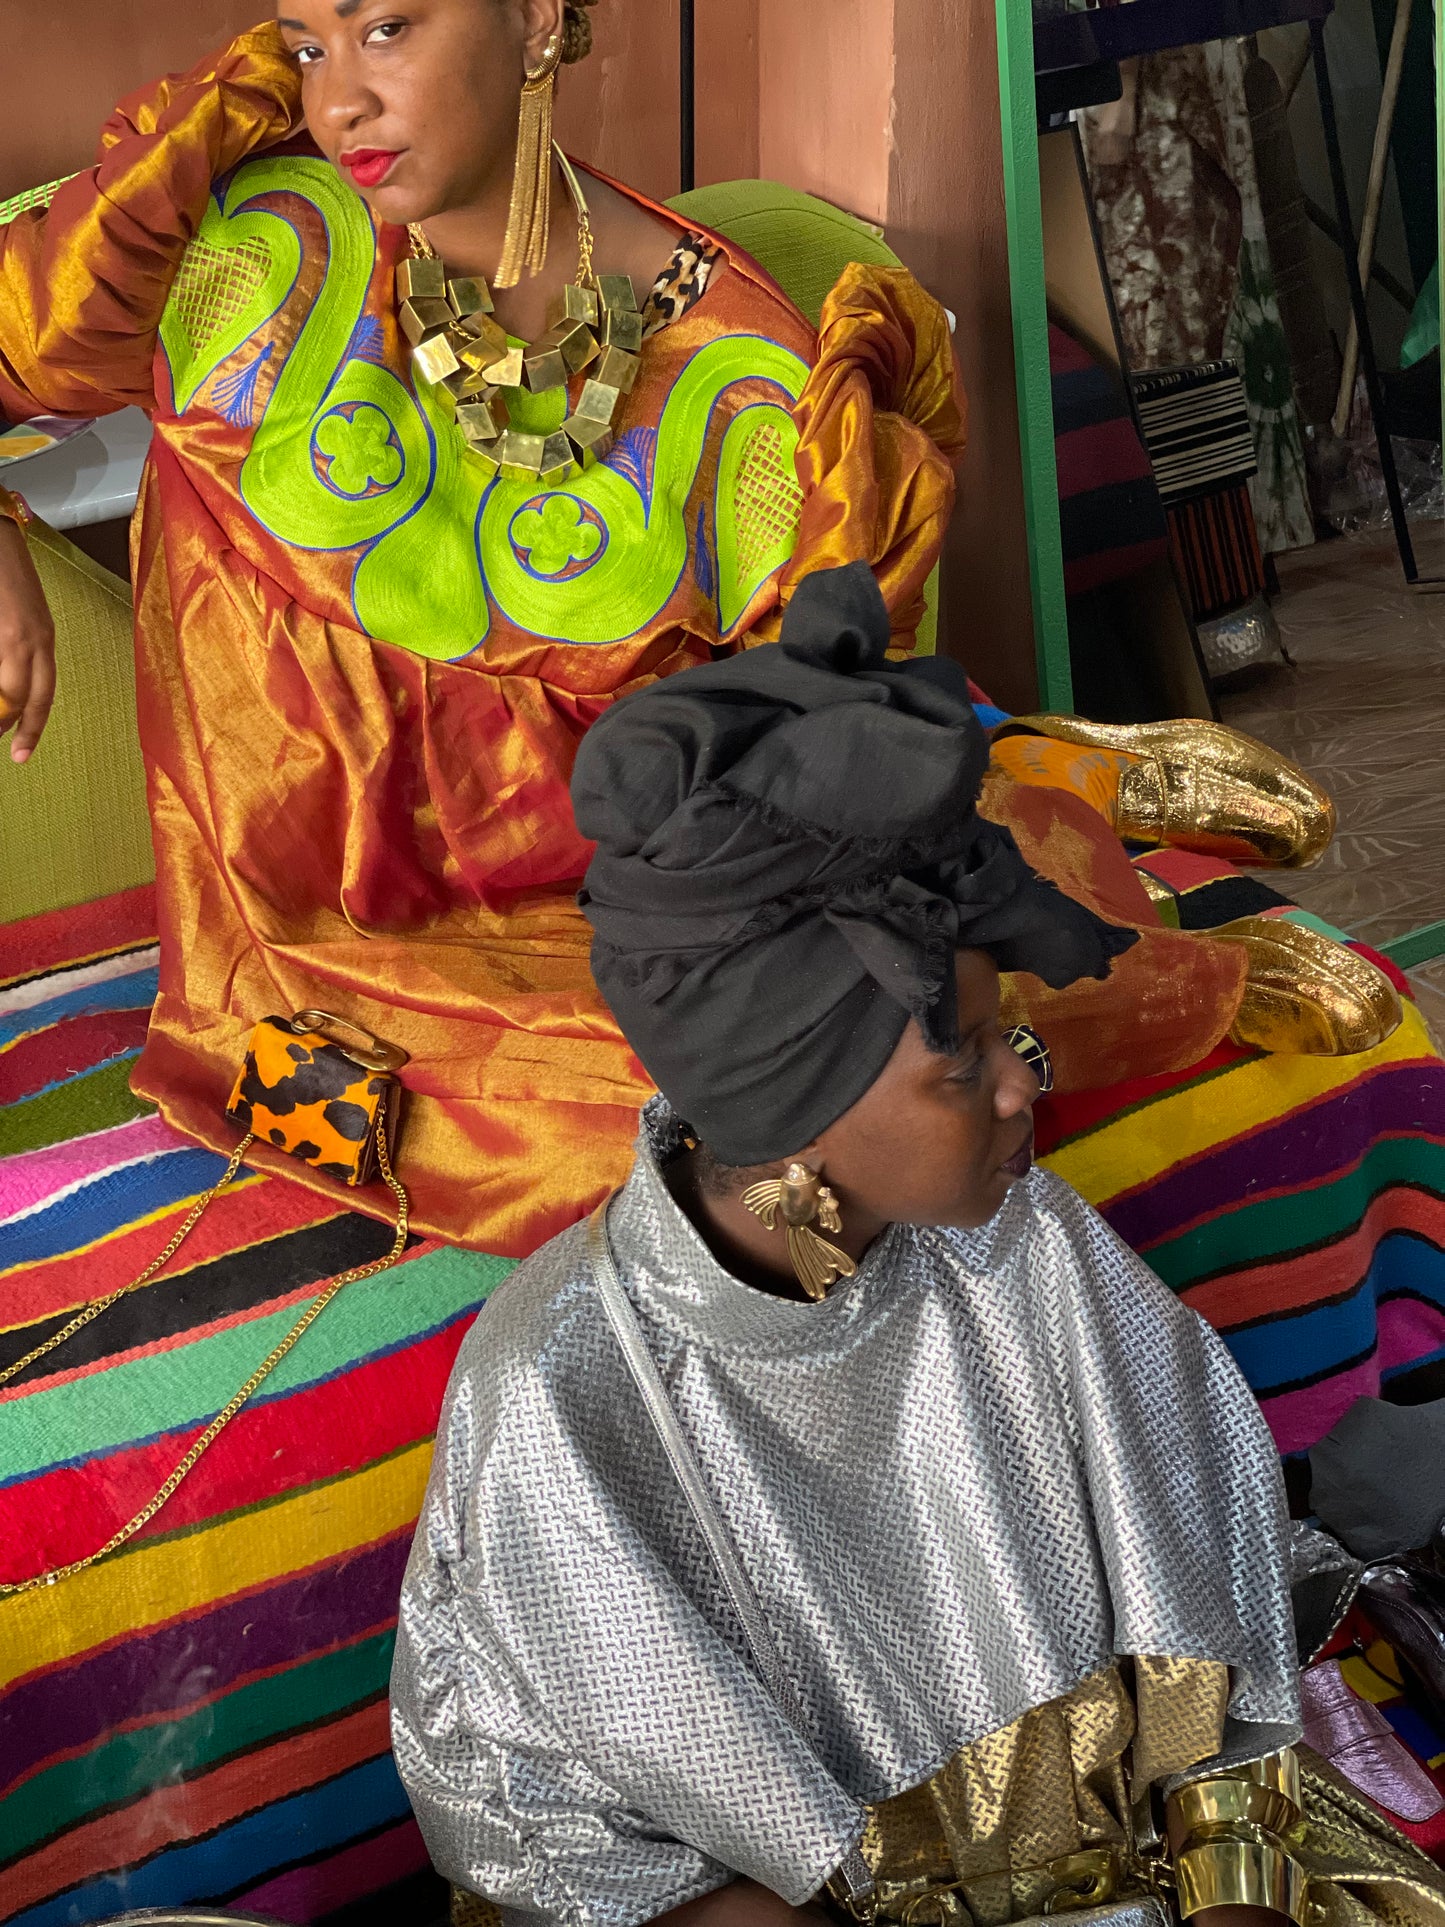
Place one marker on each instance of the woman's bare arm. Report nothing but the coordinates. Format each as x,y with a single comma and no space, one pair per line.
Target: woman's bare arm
27,641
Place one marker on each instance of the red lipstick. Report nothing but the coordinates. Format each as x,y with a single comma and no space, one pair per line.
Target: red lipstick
369,166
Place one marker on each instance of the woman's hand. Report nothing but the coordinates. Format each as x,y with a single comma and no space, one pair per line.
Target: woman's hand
27,644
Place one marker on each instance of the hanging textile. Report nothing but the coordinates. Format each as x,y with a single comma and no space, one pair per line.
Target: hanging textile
1173,173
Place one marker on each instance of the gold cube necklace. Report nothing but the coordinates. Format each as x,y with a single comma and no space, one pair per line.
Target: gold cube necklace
467,359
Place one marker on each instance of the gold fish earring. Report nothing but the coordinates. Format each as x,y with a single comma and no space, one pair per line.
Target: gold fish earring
800,1196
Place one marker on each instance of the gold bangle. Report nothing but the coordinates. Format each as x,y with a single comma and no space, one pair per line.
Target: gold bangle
1265,1793
14,508
1238,1867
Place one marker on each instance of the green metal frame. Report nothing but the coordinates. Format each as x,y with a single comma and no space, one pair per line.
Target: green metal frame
1416,946
1428,942
1024,214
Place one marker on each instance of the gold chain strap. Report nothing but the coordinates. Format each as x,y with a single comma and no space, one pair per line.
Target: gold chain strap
98,1305
258,1378
585,276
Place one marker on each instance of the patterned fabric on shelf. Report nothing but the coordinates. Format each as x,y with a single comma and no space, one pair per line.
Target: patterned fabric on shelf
1172,168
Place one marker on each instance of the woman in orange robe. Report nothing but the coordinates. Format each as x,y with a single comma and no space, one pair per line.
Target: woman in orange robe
364,661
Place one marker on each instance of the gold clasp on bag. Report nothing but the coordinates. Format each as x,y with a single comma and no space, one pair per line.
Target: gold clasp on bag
376,1054
940,1905
1087,1879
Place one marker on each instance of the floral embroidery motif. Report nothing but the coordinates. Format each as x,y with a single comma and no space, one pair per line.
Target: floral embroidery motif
554,534
363,456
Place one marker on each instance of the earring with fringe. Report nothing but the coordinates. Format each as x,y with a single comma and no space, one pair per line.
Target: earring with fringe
530,215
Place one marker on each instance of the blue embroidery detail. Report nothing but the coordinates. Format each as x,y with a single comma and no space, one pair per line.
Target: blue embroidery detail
235,395
702,569
367,342
633,455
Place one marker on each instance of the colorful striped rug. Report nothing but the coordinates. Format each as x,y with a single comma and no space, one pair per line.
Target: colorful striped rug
1298,1203
202,1718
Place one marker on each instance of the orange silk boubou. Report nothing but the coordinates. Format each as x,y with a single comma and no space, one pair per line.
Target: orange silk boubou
382,827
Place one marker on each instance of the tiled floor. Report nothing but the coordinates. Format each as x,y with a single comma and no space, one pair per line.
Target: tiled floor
1363,709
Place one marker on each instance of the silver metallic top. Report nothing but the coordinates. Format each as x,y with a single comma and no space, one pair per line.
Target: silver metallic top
960,1484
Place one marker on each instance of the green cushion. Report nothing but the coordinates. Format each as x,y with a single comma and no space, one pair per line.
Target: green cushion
802,242
73,823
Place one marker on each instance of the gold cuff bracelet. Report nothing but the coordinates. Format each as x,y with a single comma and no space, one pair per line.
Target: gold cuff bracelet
1238,1867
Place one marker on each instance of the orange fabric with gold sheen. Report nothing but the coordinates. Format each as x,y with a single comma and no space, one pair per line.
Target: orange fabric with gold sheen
1045,762
83,283
1167,1001
881,430
343,822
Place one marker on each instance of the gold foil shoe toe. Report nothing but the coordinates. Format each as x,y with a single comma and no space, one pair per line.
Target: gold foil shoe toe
1199,786
1308,994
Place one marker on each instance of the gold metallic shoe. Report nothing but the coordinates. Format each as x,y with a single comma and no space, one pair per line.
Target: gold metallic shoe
1200,786
1306,993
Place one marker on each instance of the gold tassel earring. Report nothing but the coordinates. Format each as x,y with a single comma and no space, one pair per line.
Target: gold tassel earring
801,1196
529,217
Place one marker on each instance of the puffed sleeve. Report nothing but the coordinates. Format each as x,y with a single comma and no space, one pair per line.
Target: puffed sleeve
84,281
507,1808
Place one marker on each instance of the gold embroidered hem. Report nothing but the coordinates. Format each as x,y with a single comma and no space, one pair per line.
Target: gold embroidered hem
1039,1814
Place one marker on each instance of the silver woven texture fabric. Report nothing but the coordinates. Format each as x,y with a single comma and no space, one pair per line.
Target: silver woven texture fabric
960,1484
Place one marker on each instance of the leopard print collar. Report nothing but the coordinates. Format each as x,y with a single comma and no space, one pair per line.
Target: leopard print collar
682,282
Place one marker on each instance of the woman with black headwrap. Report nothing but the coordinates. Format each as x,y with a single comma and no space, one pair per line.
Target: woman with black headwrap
845,1517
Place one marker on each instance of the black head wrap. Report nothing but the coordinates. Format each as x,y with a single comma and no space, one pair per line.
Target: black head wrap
788,855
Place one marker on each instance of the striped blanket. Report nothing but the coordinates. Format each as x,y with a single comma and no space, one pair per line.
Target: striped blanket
202,1718
1298,1203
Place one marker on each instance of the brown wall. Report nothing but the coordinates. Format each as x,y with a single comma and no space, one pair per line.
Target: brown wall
67,62
946,220
893,113
825,96
618,109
